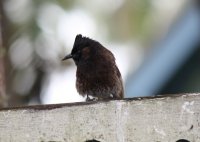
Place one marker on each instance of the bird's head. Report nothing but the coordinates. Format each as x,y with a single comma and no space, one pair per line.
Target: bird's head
83,50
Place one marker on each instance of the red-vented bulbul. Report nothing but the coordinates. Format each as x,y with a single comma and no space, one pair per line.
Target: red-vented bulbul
97,74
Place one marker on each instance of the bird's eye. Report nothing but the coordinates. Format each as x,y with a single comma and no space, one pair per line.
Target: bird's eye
77,54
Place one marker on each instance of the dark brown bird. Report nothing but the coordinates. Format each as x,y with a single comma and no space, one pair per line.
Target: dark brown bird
97,74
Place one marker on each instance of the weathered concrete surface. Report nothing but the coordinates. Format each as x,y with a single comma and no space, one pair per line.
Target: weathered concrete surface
161,119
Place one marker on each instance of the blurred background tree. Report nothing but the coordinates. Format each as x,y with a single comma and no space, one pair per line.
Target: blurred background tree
37,34
3,101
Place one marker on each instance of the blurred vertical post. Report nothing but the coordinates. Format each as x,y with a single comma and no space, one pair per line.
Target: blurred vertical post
3,99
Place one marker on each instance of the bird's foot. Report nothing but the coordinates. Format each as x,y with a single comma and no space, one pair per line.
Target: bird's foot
88,99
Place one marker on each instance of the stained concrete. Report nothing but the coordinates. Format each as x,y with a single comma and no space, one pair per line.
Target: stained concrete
160,119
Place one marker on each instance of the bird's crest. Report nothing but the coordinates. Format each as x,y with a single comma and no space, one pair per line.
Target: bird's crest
81,42
78,38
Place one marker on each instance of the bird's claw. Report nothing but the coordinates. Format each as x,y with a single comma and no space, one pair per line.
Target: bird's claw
88,99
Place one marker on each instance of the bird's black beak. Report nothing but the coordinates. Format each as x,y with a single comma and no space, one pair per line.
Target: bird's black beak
67,57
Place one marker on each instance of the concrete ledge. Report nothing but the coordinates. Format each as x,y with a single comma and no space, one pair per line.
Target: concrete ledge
160,119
